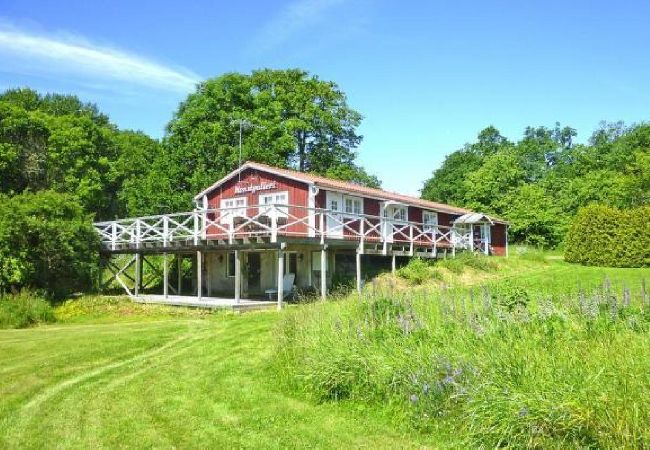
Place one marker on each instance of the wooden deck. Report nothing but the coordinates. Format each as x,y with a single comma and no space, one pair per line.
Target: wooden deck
206,302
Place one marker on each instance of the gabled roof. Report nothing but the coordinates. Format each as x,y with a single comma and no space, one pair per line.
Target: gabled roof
344,186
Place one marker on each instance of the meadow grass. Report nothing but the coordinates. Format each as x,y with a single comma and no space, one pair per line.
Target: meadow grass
531,353
154,378
554,357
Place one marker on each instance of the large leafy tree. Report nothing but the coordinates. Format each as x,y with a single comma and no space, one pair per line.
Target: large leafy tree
46,242
290,119
58,142
541,181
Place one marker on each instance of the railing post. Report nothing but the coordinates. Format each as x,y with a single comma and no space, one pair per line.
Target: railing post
322,227
165,231
138,232
196,227
113,235
363,235
274,225
411,239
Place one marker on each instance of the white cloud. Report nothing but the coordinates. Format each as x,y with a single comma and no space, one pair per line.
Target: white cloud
74,55
296,17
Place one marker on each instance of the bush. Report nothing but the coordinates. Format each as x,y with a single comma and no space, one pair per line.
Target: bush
47,242
24,309
417,271
604,236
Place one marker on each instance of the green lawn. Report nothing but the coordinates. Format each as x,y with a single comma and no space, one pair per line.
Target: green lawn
114,374
182,382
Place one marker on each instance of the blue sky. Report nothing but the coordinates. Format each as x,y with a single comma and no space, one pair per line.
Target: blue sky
427,76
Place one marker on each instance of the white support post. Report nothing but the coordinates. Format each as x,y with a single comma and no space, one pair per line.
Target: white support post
359,272
274,227
179,265
506,227
199,275
237,276
323,272
196,227
138,233
165,276
114,235
322,228
165,230
411,239
393,266
486,230
280,277
363,235
138,274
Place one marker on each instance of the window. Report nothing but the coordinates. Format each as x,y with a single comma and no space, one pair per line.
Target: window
275,198
399,213
230,264
229,214
353,205
334,205
430,221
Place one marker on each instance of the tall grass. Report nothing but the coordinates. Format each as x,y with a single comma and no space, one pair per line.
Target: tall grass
502,365
23,310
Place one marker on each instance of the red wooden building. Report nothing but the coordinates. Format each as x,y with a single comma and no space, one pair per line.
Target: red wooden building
260,223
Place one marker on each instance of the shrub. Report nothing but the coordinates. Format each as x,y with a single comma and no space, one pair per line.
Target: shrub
47,242
417,271
604,236
24,309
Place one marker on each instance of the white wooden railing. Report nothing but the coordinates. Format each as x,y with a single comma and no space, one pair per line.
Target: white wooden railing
271,221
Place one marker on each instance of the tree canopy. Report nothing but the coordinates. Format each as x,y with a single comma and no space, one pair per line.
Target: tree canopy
290,119
58,142
540,182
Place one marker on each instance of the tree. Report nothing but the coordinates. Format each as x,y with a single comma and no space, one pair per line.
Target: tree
58,142
448,185
292,119
47,242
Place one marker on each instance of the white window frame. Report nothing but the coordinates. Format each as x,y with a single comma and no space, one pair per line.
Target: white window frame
429,221
228,215
273,197
397,213
356,205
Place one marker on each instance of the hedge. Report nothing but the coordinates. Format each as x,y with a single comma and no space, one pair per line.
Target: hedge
604,236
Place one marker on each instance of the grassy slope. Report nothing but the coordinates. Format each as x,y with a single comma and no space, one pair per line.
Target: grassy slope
183,382
151,376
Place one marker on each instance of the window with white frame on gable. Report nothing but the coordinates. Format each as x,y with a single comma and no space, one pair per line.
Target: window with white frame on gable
231,208
429,221
274,198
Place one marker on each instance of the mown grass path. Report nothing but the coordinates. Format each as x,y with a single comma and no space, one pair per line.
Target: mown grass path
168,383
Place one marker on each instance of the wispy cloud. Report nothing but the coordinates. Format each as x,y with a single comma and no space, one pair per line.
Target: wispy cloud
298,16
76,55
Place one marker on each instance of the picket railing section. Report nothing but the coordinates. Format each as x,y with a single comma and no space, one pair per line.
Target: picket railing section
274,220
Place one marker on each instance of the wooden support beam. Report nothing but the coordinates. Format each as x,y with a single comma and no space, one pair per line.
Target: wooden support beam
359,272
280,277
138,274
165,276
237,276
179,266
393,265
323,272
199,275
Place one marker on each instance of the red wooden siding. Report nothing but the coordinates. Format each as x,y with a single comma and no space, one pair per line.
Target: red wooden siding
498,237
297,193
